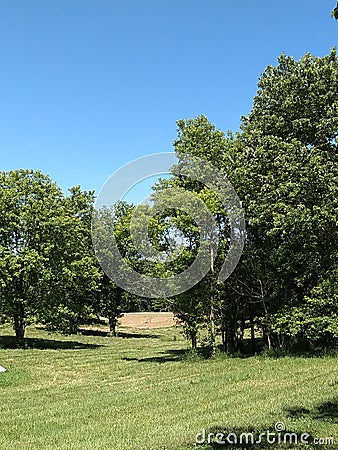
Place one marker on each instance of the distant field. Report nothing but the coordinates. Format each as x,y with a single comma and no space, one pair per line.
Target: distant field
144,391
148,320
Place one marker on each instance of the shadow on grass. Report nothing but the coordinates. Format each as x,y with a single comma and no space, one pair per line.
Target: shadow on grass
120,334
98,333
124,335
7,342
251,438
169,356
247,350
327,411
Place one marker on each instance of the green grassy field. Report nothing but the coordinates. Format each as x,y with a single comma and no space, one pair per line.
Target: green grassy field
143,390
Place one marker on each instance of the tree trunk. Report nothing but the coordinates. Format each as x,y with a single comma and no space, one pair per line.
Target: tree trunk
212,312
231,339
212,327
193,337
267,338
112,326
281,340
252,335
241,336
19,324
113,315
223,333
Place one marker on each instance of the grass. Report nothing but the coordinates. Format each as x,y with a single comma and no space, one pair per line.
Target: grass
144,391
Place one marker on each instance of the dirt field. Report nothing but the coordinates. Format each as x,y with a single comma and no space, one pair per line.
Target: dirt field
148,320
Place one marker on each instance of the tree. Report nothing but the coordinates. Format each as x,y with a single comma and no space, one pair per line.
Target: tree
29,202
314,322
285,168
110,298
74,276
198,138
190,308
335,12
45,265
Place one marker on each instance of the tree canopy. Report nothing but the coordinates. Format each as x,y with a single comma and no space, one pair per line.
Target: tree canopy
46,264
283,164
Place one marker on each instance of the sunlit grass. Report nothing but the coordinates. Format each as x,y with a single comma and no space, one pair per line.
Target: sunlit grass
143,391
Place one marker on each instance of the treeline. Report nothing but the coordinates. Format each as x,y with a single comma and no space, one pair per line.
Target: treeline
284,166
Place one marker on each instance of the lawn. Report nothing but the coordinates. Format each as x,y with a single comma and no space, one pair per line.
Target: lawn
144,391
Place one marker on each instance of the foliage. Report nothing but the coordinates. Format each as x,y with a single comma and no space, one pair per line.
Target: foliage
287,175
110,299
284,166
46,268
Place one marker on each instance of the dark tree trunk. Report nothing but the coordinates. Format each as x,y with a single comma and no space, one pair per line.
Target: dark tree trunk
227,339
212,312
241,336
231,339
267,337
252,334
212,328
281,340
112,326
114,312
223,333
193,337
19,324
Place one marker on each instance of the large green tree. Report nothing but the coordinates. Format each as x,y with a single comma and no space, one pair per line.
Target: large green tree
47,267
284,165
198,307
74,276
110,298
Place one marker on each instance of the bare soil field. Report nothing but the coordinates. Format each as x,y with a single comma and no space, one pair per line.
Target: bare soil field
148,320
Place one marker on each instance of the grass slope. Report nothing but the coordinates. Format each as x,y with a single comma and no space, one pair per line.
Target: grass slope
141,391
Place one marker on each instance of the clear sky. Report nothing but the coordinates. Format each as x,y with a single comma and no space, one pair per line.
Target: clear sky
89,85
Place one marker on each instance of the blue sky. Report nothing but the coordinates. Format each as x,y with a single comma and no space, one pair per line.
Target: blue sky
89,85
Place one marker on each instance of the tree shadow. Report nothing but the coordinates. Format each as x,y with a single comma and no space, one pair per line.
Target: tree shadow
247,350
120,334
166,356
124,335
327,411
297,412
88,332
9,342
252,438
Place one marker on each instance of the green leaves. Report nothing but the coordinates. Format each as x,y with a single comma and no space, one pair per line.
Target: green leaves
46,265
289,165
284,166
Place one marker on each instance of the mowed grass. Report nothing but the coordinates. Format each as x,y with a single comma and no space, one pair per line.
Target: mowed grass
143,391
